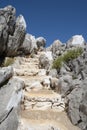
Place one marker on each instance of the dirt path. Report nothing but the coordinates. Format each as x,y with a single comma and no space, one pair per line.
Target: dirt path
42,109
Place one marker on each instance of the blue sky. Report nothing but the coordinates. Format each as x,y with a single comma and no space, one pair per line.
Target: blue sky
52,19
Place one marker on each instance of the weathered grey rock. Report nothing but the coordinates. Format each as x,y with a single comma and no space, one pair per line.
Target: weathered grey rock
53,73
11,121
10,97
79,67
15,41
7,24
76,40
63,71
29,45
65,84
5,74
56,46
45,60
54,84
41,42
77,105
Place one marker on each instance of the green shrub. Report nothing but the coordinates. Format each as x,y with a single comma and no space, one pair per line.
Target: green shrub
72,54
57,63
69,55
8,61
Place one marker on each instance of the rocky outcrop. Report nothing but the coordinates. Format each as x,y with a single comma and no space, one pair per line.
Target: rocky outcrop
5,74
57,48
41,42
10,97
45,60
7,26
76,40
13,38
77,105
29,45
72,85
12,31
15,41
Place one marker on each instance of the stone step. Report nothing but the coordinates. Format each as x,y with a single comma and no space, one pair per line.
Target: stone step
42,114
40,125
26,72
43,94
42,100
32,81
29,66
45,120
30,60
43,106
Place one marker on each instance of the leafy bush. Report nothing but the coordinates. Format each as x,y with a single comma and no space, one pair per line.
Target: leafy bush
8,61
57,62
72,54
69,55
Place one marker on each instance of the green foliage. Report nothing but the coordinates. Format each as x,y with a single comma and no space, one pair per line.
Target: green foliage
8,61
69,55
72,54
57,63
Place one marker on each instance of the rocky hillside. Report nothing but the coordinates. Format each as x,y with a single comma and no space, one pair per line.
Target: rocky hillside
40,88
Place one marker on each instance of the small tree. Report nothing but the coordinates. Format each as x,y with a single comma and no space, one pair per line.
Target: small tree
69,55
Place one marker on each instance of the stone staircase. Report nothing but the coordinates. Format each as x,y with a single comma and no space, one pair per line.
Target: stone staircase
41,108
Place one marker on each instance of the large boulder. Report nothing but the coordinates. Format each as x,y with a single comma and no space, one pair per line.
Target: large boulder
10,120
5,74
29,45
77,105
56,46
41,42
45,60
12,32
7,25
65,84
15,41
76,40
10,97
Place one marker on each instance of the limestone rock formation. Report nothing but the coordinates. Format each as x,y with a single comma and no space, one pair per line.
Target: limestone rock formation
15,41
46,59
13,38
72,83
76,41
10,97
5,74
77,105
56,46
29,45
41,42
7,25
